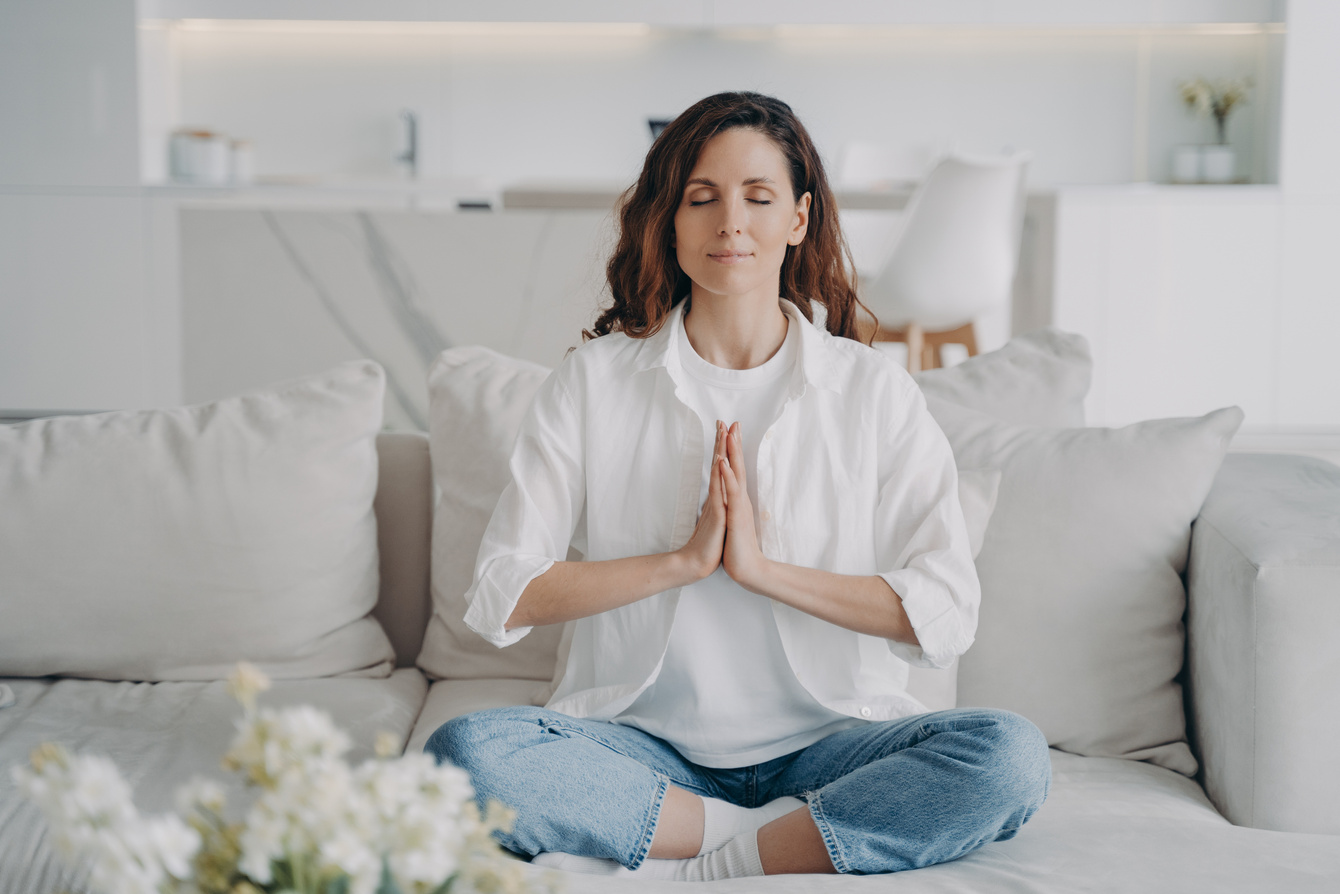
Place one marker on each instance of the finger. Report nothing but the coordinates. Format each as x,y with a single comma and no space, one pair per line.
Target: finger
714,486
735,452
718,449
728,479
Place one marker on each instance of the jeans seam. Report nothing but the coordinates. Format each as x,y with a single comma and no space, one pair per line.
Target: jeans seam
835,854
649,828
550,726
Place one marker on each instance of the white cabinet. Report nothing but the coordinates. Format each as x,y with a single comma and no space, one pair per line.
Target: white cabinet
68,95
1194,298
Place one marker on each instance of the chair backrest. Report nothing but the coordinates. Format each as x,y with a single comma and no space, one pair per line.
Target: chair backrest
959,248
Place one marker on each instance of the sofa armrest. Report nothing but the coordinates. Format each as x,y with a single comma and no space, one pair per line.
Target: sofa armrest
1263,636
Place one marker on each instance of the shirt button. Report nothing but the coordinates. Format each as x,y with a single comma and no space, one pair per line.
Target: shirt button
865,712
765,515
768,436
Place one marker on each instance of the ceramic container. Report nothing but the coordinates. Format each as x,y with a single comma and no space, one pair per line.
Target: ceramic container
200,156
1217,164
1186,164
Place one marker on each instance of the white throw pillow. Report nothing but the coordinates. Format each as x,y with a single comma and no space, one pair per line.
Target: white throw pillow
477,398
476,401
1040,378
168,544
1080,628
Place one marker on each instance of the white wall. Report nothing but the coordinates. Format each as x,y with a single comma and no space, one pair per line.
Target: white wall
1309,365
504,103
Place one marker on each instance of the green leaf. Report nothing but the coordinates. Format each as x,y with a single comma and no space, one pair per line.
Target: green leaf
387,885
445,887
339,885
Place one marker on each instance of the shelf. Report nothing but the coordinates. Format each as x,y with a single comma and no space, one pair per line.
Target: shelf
742,13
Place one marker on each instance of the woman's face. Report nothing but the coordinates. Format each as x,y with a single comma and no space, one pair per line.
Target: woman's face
737,216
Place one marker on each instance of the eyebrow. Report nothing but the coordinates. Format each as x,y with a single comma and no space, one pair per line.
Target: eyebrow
752,181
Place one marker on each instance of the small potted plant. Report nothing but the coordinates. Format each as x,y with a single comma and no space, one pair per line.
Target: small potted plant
1216,99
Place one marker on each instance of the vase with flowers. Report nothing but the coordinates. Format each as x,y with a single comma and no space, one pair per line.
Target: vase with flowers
1215,99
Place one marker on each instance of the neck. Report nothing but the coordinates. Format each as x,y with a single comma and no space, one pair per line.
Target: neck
735,331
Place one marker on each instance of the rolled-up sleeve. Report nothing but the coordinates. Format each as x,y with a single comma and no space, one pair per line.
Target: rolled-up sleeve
921,536
533,523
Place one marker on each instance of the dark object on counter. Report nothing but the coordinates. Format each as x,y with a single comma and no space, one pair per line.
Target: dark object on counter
657,125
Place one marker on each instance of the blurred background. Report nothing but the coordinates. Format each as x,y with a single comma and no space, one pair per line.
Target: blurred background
203,196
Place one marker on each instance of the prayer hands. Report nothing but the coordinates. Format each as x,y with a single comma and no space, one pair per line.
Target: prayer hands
708,540
725,532
742,556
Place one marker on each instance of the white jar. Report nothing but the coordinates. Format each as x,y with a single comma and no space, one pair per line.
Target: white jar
1186,164
242,162
1217,164
199,156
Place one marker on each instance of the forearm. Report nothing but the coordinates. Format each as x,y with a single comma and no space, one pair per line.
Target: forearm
571,590
863,603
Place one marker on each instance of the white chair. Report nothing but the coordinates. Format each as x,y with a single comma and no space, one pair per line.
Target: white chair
955,257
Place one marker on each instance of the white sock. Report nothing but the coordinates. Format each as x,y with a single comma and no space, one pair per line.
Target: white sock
723,820
574,863
738,858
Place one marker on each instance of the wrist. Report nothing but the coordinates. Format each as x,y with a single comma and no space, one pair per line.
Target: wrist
759,575
684,568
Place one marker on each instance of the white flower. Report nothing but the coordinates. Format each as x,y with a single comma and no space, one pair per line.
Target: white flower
201,794
245,683
173,843
90,810
272,744
96,793
387,745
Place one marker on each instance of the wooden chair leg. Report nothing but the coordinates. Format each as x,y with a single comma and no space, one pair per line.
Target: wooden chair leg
969,338
916,346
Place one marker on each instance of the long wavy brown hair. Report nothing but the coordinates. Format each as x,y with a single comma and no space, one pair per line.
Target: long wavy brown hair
644,276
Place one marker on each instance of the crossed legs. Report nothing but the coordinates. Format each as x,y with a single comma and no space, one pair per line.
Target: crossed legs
880,797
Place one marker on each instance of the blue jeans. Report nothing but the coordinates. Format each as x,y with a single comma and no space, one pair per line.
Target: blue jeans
887,796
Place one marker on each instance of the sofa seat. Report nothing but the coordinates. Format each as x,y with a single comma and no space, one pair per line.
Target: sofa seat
1108,825
160,735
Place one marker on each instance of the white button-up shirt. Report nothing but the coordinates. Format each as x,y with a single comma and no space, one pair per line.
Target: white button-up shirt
856,478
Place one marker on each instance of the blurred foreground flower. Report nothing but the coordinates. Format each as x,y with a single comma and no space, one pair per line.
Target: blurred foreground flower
393,825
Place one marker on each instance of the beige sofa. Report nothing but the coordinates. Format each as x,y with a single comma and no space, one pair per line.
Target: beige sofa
1262,710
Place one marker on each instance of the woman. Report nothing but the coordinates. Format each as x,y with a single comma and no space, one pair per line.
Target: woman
771,533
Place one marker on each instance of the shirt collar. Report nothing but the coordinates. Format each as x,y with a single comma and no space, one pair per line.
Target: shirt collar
816,362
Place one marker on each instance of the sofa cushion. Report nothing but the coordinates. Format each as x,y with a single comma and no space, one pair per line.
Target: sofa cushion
477,399
1080,628
449,699
159,735
168,544
1040,378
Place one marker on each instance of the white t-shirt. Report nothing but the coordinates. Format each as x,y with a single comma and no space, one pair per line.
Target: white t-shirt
725,694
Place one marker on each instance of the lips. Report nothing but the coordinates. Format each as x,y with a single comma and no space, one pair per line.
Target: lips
728,257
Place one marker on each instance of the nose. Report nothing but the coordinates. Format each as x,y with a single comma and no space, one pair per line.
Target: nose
732,215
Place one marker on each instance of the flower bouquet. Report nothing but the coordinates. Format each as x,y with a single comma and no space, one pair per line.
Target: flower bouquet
1217,99
393,825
